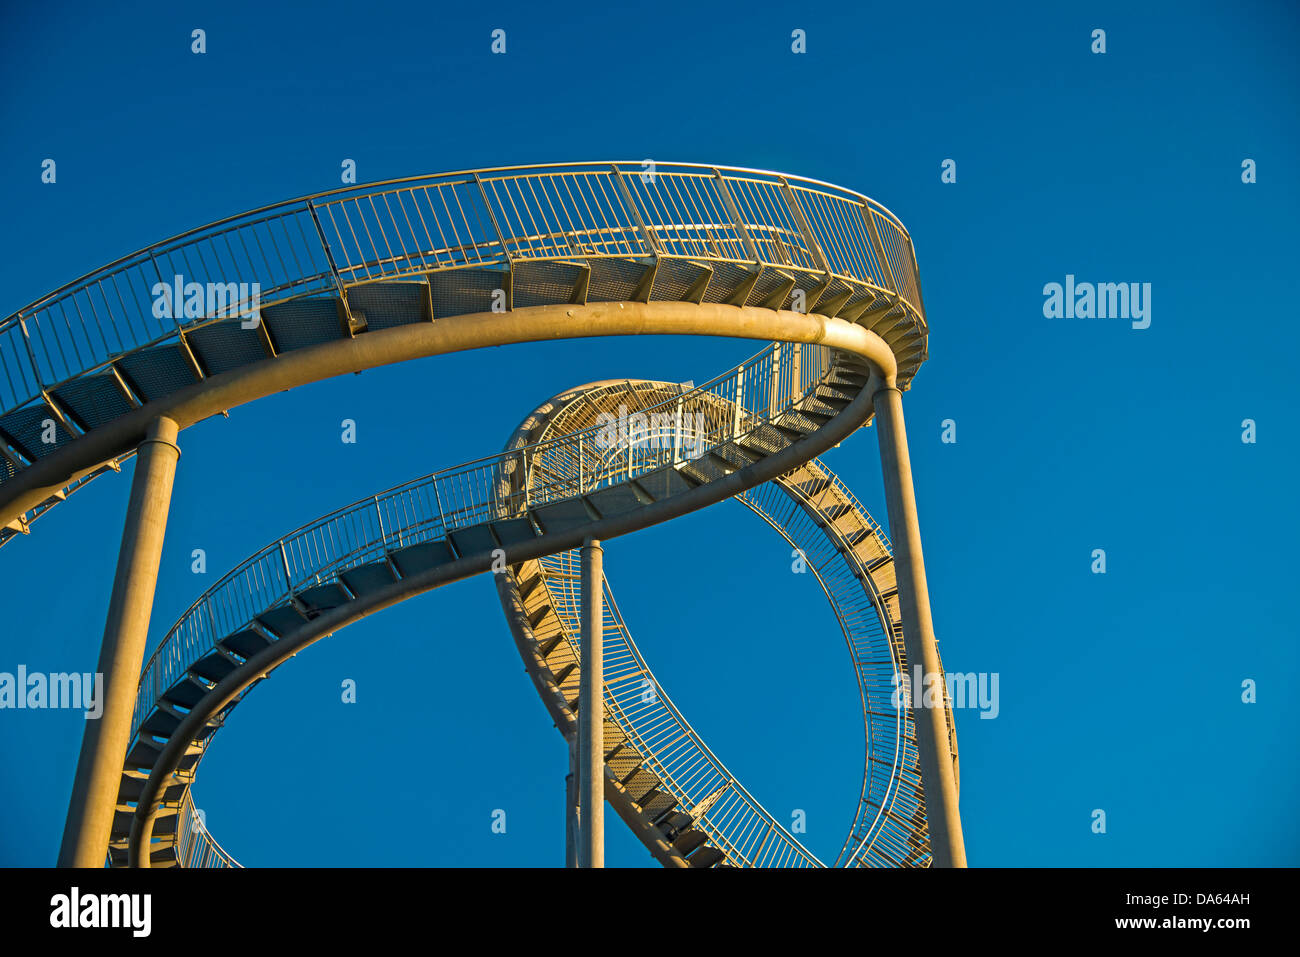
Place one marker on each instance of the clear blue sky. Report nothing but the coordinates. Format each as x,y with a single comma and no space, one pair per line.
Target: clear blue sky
1120,692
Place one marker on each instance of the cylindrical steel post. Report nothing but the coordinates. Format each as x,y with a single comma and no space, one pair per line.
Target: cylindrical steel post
103,746
571,806
591,712
947,847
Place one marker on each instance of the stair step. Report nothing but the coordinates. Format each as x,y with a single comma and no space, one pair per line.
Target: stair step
730,283
226,346
157,372
25,430
664,483
281,620
473,540
513,531
365,579
538,615
160,724
675,823
459,292
187,692
565,672
388,304
656,804
639,783
736,455
617,499
305,322
563,515
707,856
679,280
414,559
245,643
93,400
689,840
616,280
142,755
213,666
541,283
765,440
321,598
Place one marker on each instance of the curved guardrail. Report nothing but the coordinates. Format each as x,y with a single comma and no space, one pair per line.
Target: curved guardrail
401,228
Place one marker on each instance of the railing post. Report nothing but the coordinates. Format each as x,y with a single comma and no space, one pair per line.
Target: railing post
740,401
814,249
31,356
677,438
501,239
284,562
774,391
329,258
379,517
437,498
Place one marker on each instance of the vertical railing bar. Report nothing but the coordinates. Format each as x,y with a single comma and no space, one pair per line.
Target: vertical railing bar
451,220
383,234
885,268
425,226
727,201
653,247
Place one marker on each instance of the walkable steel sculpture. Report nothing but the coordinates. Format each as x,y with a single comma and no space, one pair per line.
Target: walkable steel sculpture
119,362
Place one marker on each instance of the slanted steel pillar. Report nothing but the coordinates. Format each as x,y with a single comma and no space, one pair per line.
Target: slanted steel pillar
947,847
104,744
591,711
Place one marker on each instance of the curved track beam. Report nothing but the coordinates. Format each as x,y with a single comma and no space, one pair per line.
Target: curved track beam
225,391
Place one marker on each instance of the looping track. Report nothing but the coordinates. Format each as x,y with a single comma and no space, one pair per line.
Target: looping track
361,278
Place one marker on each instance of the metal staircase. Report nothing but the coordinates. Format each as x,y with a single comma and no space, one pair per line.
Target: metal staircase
364,276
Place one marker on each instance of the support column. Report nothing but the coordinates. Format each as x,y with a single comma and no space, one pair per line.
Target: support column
947,847
104,744
591,711
571,806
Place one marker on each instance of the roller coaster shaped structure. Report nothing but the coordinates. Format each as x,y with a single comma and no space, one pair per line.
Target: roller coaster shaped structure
359,278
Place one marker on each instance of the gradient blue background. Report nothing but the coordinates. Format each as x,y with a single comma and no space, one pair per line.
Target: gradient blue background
1119,692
